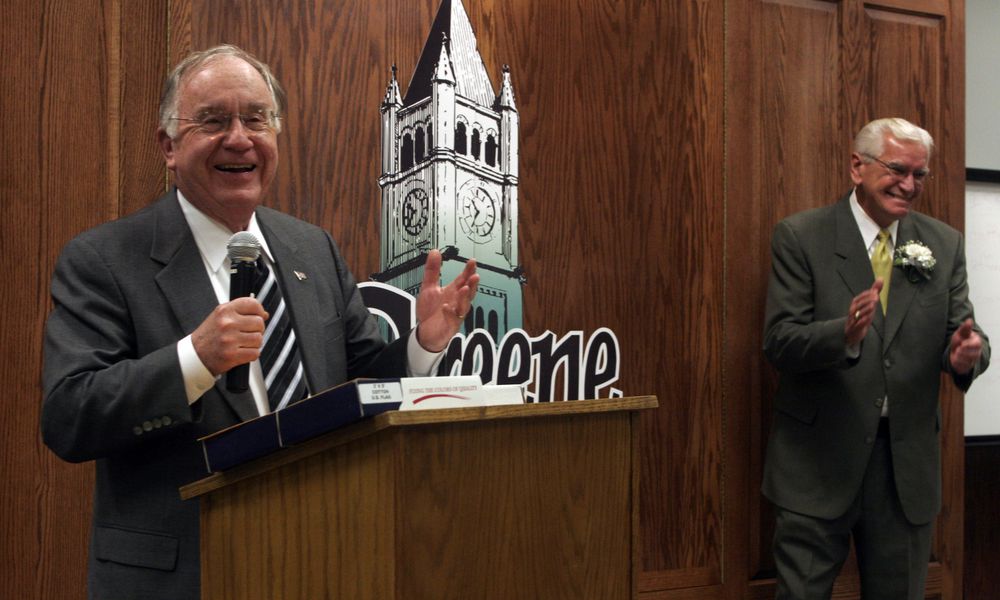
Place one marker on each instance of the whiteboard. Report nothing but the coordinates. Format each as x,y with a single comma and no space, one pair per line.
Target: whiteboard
982,86
982,251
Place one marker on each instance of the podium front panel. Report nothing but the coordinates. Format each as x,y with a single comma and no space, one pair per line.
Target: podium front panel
538,505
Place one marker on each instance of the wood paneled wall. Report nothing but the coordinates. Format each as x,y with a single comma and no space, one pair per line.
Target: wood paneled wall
78,105
660,143
982,486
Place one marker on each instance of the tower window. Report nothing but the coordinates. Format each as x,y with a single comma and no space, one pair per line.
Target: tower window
406,158
493,324
419,153
491,150
475,144
460,146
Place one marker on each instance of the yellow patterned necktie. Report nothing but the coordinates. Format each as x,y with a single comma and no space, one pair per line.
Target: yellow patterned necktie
882,265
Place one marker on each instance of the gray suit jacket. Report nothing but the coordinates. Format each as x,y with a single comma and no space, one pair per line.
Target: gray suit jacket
124,293
827,406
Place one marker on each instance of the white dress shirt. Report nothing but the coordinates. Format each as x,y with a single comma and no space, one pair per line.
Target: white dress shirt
212,238
869,233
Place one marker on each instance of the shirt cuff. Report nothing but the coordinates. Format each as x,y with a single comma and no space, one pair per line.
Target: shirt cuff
853,351
420,362
197,378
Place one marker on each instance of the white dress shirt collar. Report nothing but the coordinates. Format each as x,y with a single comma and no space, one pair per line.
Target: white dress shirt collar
212,236
868,227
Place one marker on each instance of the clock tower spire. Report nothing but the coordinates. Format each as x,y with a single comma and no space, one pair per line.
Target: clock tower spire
449,174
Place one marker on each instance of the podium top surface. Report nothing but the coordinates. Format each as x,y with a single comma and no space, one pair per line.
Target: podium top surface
392,419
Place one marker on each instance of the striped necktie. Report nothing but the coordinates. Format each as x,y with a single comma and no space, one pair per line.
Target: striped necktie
882,266
279,358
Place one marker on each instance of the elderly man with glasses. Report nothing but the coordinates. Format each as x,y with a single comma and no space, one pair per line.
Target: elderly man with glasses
143,328
867,304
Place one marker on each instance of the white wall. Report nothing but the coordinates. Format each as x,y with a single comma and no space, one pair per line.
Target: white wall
982,251
982,200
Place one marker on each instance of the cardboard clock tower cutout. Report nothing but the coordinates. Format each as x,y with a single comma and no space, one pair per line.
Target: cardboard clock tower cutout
449,174
449,180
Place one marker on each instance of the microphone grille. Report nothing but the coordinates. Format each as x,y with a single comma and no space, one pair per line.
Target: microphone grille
243,246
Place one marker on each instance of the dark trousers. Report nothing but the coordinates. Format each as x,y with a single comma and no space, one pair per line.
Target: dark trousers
892,552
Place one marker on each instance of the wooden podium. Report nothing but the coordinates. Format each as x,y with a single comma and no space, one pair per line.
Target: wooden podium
527,501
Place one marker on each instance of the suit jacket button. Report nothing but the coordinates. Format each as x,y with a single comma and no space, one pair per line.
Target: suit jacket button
157,423
167,420
868,439
137,430
147,426
878,402
888,363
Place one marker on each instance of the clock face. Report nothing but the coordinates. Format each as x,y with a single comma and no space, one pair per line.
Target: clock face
414,212
477,214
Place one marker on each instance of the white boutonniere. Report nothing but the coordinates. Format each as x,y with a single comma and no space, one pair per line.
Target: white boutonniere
916,260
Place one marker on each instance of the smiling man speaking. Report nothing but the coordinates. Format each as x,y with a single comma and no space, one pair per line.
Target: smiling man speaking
143,328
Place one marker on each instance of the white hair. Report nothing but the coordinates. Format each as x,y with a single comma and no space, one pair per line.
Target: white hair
870,141
169,97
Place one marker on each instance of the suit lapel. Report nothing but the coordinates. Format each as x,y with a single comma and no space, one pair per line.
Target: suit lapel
854,266
902,291
174,247
301,300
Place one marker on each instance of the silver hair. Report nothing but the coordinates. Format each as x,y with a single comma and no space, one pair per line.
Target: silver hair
193,62
870,141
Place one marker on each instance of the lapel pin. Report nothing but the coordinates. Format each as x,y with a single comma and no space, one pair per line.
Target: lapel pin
300,275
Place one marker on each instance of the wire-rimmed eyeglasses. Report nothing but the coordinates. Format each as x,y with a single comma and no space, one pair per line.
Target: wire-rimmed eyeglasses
212,123
901,173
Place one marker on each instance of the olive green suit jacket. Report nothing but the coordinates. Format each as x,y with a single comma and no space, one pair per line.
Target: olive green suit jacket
827,406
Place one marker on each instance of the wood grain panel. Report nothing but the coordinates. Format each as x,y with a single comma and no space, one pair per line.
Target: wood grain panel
666,209
368,427
55,111
28,485
908,79
72,74
620,159
143,65
848,586
950,207
361,511
178,25
926,7
534,507
797,159
535,497
982,488
713,592
742,358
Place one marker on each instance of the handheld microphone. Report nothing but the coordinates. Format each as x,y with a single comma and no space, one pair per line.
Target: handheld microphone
243,250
